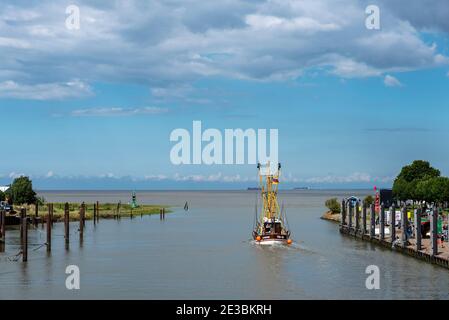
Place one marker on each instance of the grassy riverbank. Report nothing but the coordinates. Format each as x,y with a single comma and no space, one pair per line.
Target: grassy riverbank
106,210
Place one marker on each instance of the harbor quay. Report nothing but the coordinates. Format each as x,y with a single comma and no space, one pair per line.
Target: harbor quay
418,235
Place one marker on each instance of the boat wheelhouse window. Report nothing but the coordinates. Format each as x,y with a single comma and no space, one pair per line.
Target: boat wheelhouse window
277,227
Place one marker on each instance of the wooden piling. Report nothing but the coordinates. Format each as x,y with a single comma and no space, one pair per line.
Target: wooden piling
393,223
118,210
343,212
357,216
52,211
160,213
95,214
36,214
372,230
350,213
83,206
163,213
66,223
418,235
43,221
2,225
2,231
81,221
382,221
24,231
364,217
404,224
49,219
21,228
434,231
98,211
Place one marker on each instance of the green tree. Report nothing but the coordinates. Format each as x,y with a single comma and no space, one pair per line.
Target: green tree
2,196
21,191
418,170
405,186
333,205
423,191
433,190
439,189
369,200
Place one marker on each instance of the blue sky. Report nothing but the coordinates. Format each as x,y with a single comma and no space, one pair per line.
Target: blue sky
94,108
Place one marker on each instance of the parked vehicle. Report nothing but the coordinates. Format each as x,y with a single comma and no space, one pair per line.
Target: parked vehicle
5,206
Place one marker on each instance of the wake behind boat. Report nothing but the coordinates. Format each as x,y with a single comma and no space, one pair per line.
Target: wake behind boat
270,225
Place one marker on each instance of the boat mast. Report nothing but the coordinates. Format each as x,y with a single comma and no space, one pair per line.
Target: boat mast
269,189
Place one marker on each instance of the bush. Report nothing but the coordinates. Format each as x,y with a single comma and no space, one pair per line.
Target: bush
2,196
333,205
369,200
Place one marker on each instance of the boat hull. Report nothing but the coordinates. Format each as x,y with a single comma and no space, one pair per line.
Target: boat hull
269,242
271,238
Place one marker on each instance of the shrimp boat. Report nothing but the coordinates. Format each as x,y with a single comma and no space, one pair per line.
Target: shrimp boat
270,224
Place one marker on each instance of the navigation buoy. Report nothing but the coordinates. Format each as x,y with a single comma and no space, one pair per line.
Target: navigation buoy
258,238
289,241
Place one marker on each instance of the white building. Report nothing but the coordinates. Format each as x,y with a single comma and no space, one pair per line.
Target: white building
4,188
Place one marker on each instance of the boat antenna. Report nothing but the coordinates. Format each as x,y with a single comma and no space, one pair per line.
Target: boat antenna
255,215
286,221
282,211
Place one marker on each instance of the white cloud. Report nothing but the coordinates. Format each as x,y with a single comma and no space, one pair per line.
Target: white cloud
348,68
217,177
169,44
13,43
109,176
45,91
391,81
157,177
117,111
287,178
304,24
430,15
14,175
354,177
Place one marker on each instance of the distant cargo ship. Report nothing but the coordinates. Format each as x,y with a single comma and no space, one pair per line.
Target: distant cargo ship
301,188
254,188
